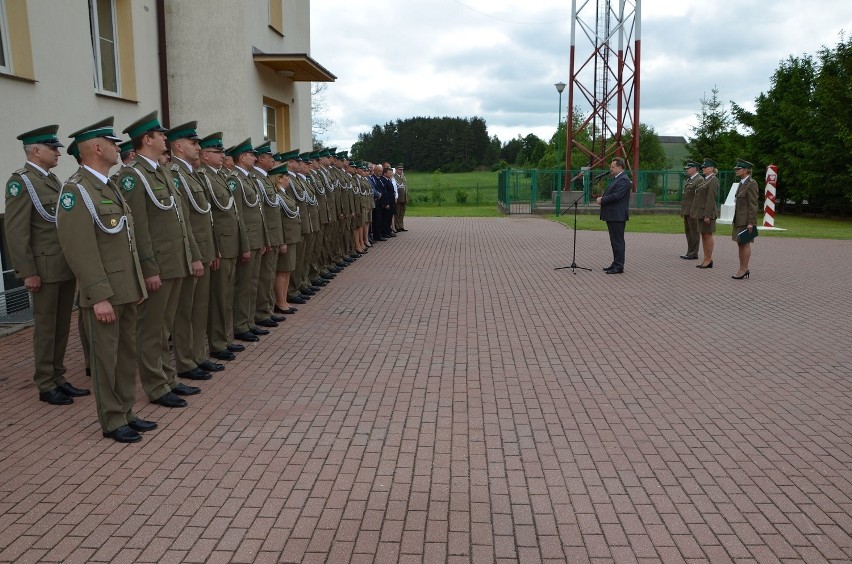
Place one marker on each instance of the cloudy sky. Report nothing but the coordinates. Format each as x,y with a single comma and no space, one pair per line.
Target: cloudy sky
500,59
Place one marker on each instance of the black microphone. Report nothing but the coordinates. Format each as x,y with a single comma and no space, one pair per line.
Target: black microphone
601,175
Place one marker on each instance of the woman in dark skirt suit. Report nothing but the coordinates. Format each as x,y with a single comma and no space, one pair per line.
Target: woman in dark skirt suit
704,210
745,213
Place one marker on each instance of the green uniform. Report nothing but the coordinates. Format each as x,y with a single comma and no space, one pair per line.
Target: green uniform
248,199
690,224
230,241
292,221
96,232
166,248
269,207
190,325
401,201
31,196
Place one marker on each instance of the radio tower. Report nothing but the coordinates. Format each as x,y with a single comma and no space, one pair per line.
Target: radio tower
607,80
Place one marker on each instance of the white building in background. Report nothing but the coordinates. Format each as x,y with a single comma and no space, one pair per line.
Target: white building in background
242,67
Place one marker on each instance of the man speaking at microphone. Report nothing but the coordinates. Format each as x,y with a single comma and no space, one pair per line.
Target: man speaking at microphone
614,211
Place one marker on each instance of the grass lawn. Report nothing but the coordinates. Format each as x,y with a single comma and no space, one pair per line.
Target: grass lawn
439,195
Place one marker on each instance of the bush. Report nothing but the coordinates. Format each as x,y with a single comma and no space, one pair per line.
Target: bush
461,196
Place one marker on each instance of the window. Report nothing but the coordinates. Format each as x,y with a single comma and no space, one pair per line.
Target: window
104,45
276,123
276,16
270,125
5,63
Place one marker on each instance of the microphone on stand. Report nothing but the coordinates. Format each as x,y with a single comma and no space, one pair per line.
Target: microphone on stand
601,175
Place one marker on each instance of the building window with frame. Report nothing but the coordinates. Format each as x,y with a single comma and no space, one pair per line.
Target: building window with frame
270,125
104,45
5,59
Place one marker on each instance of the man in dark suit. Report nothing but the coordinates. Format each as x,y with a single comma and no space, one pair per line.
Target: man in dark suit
614,211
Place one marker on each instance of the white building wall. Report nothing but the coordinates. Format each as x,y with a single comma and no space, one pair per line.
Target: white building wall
213,78
64,91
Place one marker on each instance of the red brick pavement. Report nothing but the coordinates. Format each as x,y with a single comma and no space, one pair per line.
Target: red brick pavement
450,397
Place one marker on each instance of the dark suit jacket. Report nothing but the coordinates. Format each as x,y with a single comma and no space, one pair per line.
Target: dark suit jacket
615,199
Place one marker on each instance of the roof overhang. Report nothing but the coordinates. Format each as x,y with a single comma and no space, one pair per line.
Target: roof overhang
298,67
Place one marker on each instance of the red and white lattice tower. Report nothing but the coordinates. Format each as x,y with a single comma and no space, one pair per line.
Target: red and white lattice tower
604,74
769,202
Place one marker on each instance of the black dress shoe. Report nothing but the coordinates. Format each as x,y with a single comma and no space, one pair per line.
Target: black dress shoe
355,256
235,347
614,271
306,291
266,323
259,331
708,265
298,300
55,397
169,399
277,318
247,336
140,425
124,434
71,391
335,270
689,257
290,311
211,366
327,276
195,374
222,355
610,267
184,390
391,234
341,264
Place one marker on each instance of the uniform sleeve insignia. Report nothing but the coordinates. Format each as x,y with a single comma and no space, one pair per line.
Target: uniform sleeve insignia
232,185
128,183
13,188
176,181
67,201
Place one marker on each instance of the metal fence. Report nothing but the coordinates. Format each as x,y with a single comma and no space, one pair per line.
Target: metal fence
15,306
541,191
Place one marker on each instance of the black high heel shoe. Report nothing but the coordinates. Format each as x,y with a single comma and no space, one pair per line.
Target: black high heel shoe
745,275
708,265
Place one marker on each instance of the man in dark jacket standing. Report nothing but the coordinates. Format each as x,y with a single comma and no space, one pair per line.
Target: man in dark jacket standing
614,211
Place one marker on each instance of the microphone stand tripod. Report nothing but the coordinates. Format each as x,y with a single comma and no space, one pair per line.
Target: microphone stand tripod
573,266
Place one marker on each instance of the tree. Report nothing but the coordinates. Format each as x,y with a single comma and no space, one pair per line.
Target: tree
319,123
714,135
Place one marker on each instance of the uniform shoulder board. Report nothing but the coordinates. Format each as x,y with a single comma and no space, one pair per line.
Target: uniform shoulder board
175,167
21,171
76,177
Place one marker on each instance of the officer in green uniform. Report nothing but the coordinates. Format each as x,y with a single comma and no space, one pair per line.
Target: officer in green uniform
401,197
231,244
690,224
190,326
31,195
96,233
249,202
270,208
292,222
168,254
309,209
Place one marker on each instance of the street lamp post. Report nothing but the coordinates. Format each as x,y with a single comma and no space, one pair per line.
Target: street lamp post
560,86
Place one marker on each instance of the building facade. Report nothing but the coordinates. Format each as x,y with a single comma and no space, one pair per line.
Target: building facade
242,67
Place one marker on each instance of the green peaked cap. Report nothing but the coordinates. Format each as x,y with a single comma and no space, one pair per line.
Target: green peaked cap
144,125
212,141
240,148
280,169
43,135
743,164
183,131
102,128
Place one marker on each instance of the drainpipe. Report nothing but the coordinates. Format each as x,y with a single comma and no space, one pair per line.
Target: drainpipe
163,63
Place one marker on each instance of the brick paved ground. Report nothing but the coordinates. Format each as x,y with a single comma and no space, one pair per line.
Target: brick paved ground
452,398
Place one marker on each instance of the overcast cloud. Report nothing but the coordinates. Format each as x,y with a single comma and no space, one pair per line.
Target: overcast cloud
499,59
